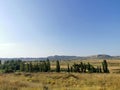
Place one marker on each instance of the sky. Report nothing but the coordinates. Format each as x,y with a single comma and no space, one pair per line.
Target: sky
40,28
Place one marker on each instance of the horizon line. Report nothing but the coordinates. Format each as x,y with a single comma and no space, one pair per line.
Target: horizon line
58,55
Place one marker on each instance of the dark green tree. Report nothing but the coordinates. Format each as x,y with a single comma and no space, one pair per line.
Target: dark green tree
90,68
105,66
81,67
22,67
84,66
45,67
97,69
48,64
0,62
57,66
76,67
71,69
27,67
36,67
68,68
30,67
40,67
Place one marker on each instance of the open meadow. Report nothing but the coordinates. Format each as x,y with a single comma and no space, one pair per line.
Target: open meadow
59,44
64,80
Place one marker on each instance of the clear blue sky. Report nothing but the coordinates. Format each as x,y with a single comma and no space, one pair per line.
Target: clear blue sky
38,28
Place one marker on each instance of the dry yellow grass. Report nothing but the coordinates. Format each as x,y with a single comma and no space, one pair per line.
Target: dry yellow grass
64,81
60,81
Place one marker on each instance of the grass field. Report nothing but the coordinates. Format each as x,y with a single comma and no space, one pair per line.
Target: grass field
64,80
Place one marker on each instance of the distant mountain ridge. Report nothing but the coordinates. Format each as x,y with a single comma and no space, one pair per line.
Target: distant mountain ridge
64,57
57,57
99,56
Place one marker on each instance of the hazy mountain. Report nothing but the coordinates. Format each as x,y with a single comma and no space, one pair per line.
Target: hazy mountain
57,57
100,56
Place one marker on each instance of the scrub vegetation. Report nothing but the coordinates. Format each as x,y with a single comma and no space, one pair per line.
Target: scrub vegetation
58,75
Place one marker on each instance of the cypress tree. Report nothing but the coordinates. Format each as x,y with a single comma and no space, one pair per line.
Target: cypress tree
6,70
68,68
27,67
33,68
22,67
40,67
0,62
97,69
76,67
82,67
48,64
57,66
36,67
105,66
30,67
45,69
71,69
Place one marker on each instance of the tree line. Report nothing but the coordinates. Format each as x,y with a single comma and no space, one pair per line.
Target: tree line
45,66
88,68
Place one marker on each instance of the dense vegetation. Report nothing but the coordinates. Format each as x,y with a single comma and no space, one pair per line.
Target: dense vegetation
45,66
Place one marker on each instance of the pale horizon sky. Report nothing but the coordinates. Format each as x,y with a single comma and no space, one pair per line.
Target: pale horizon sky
40,28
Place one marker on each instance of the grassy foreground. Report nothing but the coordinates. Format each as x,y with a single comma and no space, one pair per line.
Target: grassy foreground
64,80
59,81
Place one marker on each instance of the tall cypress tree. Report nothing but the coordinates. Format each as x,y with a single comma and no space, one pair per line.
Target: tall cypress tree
76,67
97,69
48,64
22,67
81,67
27,67
30,67
45,68
36,67
105,66
42,67
68,68
84,65
0,62
57,66
71,69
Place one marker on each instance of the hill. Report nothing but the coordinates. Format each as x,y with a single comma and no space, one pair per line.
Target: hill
63,57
